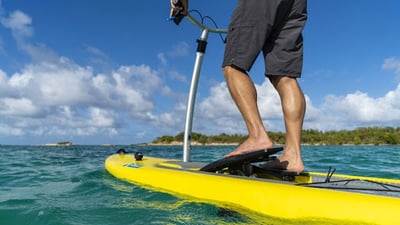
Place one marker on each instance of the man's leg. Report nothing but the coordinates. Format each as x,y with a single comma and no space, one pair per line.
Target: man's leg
293,106
244,95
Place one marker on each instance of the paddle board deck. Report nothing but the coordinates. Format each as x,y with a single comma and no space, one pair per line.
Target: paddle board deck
311,195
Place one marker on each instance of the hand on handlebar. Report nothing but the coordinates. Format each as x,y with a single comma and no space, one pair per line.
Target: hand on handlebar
180,6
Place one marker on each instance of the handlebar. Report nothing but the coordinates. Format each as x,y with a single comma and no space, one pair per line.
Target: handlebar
203,27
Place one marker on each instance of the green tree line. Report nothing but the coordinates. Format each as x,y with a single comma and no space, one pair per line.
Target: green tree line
359,136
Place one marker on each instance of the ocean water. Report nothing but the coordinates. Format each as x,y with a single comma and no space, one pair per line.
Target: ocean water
69,185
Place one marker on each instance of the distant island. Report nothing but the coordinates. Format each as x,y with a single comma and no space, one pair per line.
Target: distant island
63,143
359,136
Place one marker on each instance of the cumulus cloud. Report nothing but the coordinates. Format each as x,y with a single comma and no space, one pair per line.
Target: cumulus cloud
67,97
359,108
54,96
18,107
219,112
63,98
353,110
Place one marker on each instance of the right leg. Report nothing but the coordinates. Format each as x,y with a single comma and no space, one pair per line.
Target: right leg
244,95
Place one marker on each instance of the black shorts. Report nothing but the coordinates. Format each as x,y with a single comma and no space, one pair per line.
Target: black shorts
273,27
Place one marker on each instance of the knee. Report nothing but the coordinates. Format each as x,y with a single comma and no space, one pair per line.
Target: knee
225,70
282,80
231,70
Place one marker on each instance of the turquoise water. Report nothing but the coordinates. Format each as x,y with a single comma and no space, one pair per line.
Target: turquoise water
69,185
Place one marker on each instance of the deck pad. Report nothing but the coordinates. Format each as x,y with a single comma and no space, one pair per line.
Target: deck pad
251,157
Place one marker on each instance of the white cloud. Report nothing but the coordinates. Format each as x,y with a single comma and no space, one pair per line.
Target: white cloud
218,114
18,107
96,52
19,23
5,129
392,64
63,98
162,58
2,51
101,118
361,108
180,50
175,75
3,83
135,85
218,104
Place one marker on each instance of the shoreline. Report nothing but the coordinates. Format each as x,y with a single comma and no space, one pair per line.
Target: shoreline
175,143
194,143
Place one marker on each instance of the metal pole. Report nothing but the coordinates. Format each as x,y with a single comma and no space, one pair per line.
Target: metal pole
201,48
202,42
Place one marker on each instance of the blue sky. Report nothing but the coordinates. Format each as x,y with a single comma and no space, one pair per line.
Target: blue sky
96,72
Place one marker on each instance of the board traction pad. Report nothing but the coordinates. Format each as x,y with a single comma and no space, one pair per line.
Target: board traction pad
256,156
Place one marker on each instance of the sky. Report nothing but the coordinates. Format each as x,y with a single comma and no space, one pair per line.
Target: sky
117,72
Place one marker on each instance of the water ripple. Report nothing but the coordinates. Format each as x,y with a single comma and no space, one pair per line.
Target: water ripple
69,185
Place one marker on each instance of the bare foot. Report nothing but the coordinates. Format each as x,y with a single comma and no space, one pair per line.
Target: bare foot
251,145
289,160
